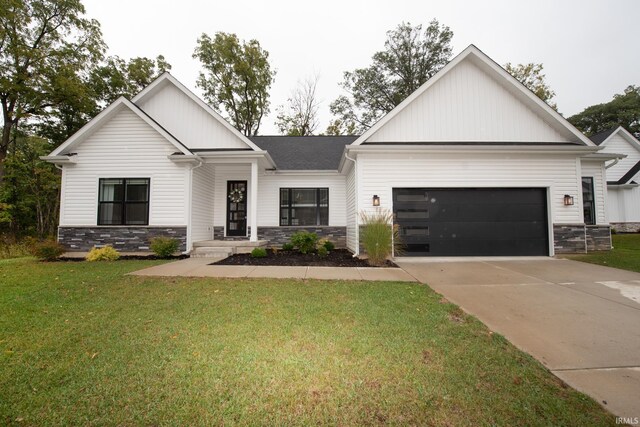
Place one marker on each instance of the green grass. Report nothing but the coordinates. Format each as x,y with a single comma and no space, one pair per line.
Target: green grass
625,253
83,344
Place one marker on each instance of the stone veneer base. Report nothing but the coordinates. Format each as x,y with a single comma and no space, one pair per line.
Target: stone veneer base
581,238
277,236
626,227
124,239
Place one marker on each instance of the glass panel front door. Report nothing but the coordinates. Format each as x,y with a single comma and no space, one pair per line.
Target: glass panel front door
236,208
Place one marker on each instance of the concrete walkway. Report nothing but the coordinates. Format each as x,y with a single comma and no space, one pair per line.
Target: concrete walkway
580,320
199,267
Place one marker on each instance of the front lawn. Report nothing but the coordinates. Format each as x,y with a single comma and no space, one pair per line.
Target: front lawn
625,253
83,344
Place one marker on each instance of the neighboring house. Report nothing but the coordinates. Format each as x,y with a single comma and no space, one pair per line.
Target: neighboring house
623,177
472,163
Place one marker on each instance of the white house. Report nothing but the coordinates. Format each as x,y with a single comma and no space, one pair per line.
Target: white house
472,163
623,175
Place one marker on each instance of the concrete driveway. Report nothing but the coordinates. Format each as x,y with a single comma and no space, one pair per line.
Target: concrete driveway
580,320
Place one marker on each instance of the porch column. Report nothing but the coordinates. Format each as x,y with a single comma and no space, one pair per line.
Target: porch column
253,203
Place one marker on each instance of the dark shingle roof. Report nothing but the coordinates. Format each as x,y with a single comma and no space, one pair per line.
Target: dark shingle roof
600,137
304,152
627,176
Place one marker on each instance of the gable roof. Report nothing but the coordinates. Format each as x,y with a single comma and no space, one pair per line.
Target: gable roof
541,108
94,124
305,152
604,137
167,78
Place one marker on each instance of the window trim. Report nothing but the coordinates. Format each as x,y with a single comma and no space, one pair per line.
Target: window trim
123,203
290,191
592,202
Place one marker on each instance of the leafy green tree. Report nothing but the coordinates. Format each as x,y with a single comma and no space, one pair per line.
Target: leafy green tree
300,116
30,193
37,39
236,78
623,110
532,77
410,57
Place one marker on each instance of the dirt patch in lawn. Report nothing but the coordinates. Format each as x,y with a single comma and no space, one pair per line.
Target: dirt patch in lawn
335,258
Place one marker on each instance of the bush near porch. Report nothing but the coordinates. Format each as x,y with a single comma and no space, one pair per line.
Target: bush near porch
83,343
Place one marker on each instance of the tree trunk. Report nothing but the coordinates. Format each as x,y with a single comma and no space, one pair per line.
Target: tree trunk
4,146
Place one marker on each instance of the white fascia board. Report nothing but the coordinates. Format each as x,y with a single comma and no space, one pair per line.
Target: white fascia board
604,156
94,124
414,149
167,78
184,158
621,186
319,172
234,156
551,114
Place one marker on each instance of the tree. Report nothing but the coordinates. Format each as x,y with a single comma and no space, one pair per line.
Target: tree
300,117
117,77
623,110
37,39
532,77
30,193
411,56
237,77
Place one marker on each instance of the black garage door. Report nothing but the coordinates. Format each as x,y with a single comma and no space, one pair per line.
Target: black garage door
472,221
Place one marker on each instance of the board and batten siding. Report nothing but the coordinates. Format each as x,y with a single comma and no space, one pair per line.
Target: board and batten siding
203,186
188,121
619,145
351,210
623,204
125,147
467,104
269,193
595,169
380,173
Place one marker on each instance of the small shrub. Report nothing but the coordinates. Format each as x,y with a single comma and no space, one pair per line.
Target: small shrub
328,244
323,252
48,250
305,242
164,247
106,253
379,237
258,253
614,231
288,247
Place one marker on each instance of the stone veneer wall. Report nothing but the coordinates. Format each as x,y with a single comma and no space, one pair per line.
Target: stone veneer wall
124,239
569,238
277,236
598,237
626,227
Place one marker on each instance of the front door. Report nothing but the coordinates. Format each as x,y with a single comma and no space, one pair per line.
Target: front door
236,208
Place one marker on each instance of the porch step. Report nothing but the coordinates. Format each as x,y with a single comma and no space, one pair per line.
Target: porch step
224,248
212,252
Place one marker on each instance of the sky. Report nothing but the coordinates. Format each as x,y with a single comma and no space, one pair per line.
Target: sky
590,49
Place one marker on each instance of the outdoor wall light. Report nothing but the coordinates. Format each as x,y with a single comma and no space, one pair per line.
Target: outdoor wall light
568,200
376,200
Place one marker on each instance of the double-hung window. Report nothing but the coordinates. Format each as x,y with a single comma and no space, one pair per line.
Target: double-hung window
123,201
304,206
588,201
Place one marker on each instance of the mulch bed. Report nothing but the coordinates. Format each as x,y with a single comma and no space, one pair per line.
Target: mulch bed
335,258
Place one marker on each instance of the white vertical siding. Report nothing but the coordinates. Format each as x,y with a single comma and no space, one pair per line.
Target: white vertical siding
467,104
202,187
595,170
351,209
125,147
269,193
624,204
380,173
188,121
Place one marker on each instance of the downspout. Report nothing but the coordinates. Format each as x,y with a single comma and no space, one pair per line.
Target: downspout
189,207
355,197
615,162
